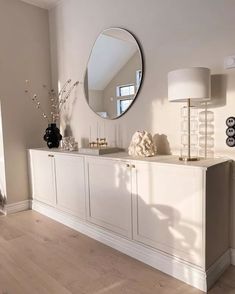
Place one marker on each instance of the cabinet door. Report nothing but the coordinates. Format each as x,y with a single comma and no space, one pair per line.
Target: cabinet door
109,196
70,184
42,175
168,209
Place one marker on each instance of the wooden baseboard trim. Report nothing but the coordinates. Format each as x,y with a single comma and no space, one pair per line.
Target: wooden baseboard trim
166,263
18,206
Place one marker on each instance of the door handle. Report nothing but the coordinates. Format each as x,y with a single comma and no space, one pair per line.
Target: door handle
130,165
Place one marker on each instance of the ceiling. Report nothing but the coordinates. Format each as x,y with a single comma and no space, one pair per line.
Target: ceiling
47,4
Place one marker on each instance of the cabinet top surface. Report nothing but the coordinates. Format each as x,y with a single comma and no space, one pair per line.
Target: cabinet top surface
162,159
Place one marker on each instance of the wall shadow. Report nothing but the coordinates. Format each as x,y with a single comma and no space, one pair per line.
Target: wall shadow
67,114
218,92
162,144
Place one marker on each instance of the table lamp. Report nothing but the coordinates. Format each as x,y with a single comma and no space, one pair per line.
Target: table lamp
186,85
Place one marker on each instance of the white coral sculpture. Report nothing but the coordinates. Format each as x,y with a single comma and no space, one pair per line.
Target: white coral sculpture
142,145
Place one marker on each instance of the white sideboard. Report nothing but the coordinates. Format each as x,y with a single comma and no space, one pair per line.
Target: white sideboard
171,215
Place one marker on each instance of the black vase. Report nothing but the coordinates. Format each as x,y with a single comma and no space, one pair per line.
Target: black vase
52,136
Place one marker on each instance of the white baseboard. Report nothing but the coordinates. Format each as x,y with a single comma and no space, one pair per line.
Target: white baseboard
166,263
18,206
232,256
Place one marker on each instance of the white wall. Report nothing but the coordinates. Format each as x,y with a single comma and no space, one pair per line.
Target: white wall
173,34
24,54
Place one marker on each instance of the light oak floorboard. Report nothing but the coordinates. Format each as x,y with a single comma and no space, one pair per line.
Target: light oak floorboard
39,255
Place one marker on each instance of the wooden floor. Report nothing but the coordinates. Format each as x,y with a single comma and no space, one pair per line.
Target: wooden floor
38,255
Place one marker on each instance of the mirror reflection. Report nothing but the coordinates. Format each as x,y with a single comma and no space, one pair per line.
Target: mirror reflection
113,74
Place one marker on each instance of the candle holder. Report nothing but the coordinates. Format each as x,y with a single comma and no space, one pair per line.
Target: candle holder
99,143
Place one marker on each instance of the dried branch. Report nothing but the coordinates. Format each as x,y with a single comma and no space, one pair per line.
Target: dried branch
35,100
56,101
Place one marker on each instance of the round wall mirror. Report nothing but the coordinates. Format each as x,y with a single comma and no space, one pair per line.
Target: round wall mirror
114,73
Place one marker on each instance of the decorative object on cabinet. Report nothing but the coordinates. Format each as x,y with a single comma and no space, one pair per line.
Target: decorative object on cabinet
99,146
193,132
100,143
206,133
230,131
99,150
52,136
114,73
189,84
69,144
142,145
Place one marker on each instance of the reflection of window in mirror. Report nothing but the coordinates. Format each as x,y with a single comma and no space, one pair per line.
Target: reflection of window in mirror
122,105
138,79
103,114
126,90
125,95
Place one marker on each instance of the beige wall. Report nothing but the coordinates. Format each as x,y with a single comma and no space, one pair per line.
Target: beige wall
2,162
173,34
24,54
127,75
